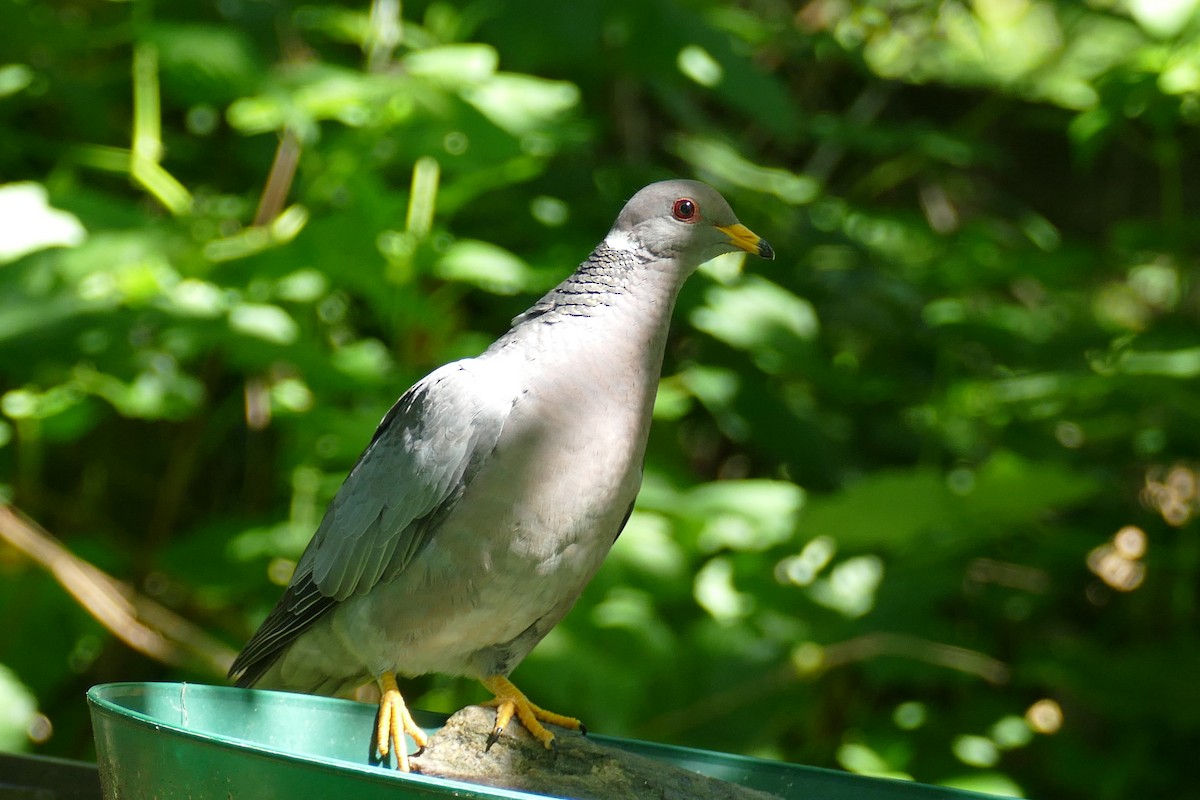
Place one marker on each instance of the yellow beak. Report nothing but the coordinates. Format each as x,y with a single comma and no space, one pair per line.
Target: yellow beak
743,238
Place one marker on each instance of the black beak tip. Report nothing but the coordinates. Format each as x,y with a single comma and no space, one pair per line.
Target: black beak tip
765,250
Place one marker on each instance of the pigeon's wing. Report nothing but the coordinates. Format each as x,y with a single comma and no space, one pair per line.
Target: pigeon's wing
417,466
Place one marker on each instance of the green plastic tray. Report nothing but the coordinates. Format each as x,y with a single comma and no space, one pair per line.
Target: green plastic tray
182,740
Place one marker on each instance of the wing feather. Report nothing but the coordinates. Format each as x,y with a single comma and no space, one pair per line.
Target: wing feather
417,466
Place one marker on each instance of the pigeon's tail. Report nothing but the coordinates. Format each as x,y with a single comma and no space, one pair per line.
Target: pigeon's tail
299,608
250,675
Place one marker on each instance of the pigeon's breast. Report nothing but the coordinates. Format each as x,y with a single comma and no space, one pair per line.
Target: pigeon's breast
556,489
531,528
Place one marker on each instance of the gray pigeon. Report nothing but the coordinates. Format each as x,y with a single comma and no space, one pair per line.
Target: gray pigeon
495,486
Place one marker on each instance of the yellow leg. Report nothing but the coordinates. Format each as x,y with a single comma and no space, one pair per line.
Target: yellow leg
510,700
394,721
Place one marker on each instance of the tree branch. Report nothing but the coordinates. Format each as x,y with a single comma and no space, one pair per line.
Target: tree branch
143,624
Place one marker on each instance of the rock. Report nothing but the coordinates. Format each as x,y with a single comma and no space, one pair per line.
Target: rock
582,768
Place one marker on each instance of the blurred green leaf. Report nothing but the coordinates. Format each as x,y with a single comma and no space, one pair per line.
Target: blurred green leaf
18,706
14,78
521,104
486,266
205,63
30,224
896,509
266,322
454,66
758,316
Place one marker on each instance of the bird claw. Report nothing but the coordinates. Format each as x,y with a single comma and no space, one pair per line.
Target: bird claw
505,708
393,723
510,701
494,737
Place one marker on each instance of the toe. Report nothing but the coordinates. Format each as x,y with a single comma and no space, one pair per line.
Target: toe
393,723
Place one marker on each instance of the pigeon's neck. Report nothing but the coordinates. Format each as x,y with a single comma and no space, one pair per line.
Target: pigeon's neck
620,283
613,311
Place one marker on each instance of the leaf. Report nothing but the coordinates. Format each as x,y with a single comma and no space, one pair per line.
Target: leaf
891,509
720,159
1183,363
1163,18
522,104
205,63
454,66
31,224
486,266
14,78
756,314
744,515
267,322
18,707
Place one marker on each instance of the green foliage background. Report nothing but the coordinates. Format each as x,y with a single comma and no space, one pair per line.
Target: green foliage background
877,530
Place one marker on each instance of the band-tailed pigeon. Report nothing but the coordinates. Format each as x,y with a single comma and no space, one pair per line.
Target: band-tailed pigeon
494,487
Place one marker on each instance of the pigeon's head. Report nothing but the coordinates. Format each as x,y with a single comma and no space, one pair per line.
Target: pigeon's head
685,221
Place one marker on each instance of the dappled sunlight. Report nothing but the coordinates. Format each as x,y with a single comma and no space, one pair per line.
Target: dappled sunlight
1045,716
1118,562
804,567
1172,493
851,586
280,571
1149,290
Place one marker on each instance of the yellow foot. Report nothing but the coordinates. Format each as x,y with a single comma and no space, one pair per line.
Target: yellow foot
394,721
510,700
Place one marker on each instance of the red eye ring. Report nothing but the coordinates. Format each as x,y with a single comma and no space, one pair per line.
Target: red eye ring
685,210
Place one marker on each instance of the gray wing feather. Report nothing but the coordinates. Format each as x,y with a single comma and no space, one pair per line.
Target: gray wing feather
420,460
414,466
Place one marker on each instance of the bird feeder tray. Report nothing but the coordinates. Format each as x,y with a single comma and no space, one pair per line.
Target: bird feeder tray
182,740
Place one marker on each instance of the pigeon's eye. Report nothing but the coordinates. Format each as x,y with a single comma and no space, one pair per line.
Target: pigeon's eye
684,210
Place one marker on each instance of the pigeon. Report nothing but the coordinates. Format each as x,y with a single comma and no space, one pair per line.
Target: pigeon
493,489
